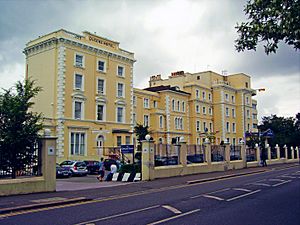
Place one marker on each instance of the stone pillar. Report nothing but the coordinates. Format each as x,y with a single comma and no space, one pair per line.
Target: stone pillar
49,162
207,152
182,153
278,151
285,151
227,152
147,160
292,152
297,153
243,154
268,148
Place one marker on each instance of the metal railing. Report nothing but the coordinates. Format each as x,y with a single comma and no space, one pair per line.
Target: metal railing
195,154
25,164
166,154
217,153
251,154
235,153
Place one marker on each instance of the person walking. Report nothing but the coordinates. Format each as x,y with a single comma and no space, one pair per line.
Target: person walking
101,170
264,157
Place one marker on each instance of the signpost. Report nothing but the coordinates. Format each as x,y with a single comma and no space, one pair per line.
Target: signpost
127,149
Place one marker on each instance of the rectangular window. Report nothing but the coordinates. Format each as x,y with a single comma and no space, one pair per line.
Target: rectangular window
78,82
120,114
154,104
204,127
226,97
161,122
119,141
210,111
146,103
233,99
146,120
100,112
197,109
197,93
79,60
248,113
209,97
121,70
197,125
227,127
178,106
233,127
233,113
134,100
204,110
77,110
203,95
227,112
183,106
233,141
210,127
77,143
127,140
247,100
101,66
101,86
120,90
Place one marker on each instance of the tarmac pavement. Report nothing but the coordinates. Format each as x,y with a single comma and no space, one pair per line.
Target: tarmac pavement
78,189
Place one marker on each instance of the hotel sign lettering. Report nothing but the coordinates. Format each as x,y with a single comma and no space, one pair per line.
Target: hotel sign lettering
101,42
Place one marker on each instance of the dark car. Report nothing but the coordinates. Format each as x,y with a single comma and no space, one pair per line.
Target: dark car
108,162
62,172
92,166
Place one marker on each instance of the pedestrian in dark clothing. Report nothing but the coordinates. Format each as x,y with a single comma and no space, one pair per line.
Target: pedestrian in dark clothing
101,170
263,158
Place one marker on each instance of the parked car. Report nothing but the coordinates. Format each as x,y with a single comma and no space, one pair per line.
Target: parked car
108,162
62,172
92,166
75,167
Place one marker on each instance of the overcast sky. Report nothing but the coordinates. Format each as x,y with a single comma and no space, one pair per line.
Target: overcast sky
165,35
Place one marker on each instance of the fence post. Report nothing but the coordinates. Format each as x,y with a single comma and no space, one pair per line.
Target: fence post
48,161
182,152
147,159
286,152
208,152
227,152
257,153
243,153
292,152
268,151
297,152
278,151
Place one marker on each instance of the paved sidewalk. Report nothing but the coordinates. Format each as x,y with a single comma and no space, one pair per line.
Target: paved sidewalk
109,189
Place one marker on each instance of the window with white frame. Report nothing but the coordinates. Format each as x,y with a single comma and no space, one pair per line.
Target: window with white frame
203,95
227,111
204,127
146,120
233,141
100,112
197,125
209,96
173,105
197,109
79,60
77,143
178,123
161,121
121,71
227,126
119,141
78,82
178,106
233,128
232,99
120,91
120,114
146,103
183,107
100,86
247,100
233,113
134,100
210,127
78,110
154,104
197,93
204,110
101,66
134,119
226,97
210,111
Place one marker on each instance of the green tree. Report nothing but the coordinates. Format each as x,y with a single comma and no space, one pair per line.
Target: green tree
285,130
269,21
19,127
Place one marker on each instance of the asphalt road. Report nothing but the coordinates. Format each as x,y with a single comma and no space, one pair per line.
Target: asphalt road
269,198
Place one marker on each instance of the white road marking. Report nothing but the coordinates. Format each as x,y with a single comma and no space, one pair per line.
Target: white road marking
119,215
172,209
174,217
213,197
242,189
218,191
287,176
277,180
244,195
284,182
261,184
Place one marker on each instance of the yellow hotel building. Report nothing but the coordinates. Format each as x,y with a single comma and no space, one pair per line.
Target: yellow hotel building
89,102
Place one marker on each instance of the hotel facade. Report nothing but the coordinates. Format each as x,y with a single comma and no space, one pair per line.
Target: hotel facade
89,102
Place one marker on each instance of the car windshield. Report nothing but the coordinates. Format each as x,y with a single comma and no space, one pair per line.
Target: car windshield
66,163
80,164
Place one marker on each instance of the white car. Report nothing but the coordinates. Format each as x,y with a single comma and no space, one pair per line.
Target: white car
75,167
